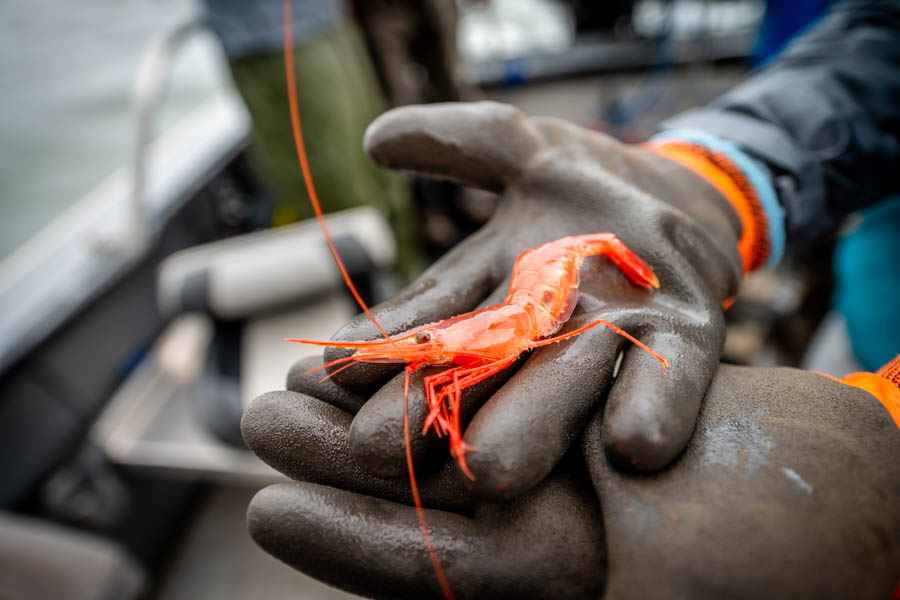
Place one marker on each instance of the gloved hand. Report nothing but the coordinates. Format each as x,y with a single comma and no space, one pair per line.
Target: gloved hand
360,532
790,487
557,179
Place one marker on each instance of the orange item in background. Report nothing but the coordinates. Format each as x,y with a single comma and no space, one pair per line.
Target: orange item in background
884,385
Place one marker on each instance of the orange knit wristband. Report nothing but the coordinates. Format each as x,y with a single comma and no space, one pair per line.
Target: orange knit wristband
718,170
884,385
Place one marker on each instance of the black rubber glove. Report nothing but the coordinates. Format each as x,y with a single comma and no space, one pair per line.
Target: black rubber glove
359,532
557,179
790,487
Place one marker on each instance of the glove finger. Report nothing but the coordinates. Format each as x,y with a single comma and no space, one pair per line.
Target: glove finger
452,285
307,440
300,379
521,433
484,144
548,545
650,413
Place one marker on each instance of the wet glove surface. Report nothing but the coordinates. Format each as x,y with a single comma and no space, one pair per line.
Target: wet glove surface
361,533
556,179
790,487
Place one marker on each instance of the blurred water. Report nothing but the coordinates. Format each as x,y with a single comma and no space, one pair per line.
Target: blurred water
66,71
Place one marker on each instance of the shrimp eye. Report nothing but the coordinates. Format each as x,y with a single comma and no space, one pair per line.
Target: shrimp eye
423,337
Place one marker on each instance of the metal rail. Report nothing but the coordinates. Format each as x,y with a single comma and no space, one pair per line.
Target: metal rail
149,86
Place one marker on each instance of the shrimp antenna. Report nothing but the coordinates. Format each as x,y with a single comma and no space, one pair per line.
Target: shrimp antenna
304,163
307,178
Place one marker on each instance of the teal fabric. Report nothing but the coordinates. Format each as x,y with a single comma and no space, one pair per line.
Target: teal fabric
867,280
755,172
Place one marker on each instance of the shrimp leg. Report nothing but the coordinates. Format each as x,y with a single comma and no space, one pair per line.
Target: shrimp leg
445,403
619,330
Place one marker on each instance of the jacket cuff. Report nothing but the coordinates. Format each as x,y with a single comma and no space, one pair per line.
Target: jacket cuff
796,175
743,181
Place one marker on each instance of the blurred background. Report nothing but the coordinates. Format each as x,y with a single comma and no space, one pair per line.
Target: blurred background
154,248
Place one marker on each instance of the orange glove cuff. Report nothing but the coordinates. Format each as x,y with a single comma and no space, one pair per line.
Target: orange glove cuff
720,172
884,385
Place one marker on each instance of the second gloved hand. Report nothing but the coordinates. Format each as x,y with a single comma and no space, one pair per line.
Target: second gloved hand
557,179
789,488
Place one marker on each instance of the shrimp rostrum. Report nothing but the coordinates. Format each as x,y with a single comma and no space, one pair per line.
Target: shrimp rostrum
479,344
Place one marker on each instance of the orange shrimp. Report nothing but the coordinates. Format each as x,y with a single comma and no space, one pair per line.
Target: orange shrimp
478,344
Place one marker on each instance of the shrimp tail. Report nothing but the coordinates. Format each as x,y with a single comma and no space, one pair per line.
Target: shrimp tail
624,257
633,265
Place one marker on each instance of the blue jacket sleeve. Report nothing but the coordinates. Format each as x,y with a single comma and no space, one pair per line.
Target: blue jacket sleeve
824,118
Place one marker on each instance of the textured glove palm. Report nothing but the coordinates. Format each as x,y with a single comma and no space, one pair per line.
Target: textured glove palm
557,179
